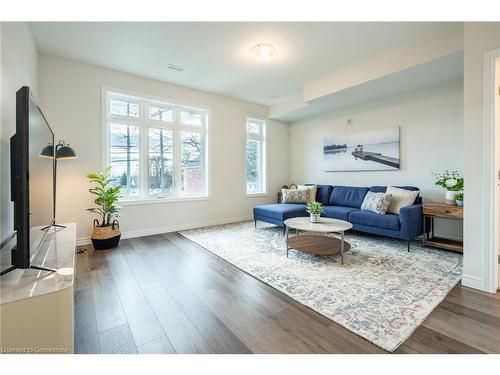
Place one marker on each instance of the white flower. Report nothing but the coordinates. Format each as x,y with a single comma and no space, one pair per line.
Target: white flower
451,182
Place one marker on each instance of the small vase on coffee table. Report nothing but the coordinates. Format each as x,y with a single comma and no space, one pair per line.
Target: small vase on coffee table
315,218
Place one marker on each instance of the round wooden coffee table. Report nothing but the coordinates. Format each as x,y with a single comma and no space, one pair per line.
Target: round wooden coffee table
314,243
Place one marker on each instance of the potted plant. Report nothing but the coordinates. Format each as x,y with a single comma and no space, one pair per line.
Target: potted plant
106,232
452,182
459,198
315,210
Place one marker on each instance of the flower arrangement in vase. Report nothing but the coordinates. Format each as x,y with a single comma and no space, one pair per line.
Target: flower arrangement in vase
452,182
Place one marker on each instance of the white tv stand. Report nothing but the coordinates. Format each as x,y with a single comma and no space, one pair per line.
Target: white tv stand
36,307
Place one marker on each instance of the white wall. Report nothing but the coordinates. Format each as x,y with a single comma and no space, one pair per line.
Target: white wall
497,167
19,68
431,140
479,37
70,97
1,137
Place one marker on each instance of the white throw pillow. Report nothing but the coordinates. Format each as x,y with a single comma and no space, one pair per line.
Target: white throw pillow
376,202
400,198
298,195
314,189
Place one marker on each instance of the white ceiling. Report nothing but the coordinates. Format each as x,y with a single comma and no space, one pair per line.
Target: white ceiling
432,73
215,55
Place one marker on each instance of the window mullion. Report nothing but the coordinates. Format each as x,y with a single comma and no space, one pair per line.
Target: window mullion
177,161
144,150
203,161
259,165
192,128
262,176
254,136
123,120
106,136
162,164
263,141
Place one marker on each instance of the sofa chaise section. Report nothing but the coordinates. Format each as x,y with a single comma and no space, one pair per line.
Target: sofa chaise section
278,213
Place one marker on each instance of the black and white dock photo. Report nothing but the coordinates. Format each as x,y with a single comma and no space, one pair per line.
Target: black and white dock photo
372,150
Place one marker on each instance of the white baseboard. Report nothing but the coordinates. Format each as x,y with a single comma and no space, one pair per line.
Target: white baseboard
473,282
170,228
82,241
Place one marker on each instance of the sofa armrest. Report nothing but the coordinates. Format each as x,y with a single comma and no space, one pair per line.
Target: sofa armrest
410,218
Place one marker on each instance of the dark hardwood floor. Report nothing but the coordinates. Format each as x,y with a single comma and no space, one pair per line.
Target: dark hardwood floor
165,294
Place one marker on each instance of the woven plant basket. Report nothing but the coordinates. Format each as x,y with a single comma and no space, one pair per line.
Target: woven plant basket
105,237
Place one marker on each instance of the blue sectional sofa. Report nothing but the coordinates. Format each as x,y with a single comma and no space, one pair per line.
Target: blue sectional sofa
344,202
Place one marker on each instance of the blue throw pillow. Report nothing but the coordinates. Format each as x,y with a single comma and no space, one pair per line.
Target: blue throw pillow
348,196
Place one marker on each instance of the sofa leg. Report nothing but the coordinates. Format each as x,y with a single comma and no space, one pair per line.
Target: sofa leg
284,230
408,245
255,223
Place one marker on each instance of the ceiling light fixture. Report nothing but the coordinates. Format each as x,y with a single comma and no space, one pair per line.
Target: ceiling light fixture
263,51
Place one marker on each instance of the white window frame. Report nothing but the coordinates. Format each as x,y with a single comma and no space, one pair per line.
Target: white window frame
262,139
145,124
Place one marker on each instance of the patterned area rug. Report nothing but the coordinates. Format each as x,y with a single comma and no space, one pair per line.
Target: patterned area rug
382,292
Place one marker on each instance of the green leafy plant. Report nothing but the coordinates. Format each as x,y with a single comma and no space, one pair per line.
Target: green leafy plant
284,187
315,208
106,196
459,197
451,181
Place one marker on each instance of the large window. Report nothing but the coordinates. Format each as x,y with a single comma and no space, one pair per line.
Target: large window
156,149
256,156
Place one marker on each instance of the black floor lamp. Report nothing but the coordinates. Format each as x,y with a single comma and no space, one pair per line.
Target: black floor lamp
62,152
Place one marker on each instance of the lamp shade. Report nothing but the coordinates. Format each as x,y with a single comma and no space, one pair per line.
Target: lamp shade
65,152
47,152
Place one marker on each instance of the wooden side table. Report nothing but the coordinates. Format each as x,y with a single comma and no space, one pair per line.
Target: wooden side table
441,211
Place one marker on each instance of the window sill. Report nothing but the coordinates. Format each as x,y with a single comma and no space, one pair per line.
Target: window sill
252,195
141,201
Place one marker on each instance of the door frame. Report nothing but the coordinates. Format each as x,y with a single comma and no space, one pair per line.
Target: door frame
490,192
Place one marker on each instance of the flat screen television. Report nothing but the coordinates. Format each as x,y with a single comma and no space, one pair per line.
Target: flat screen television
32,179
